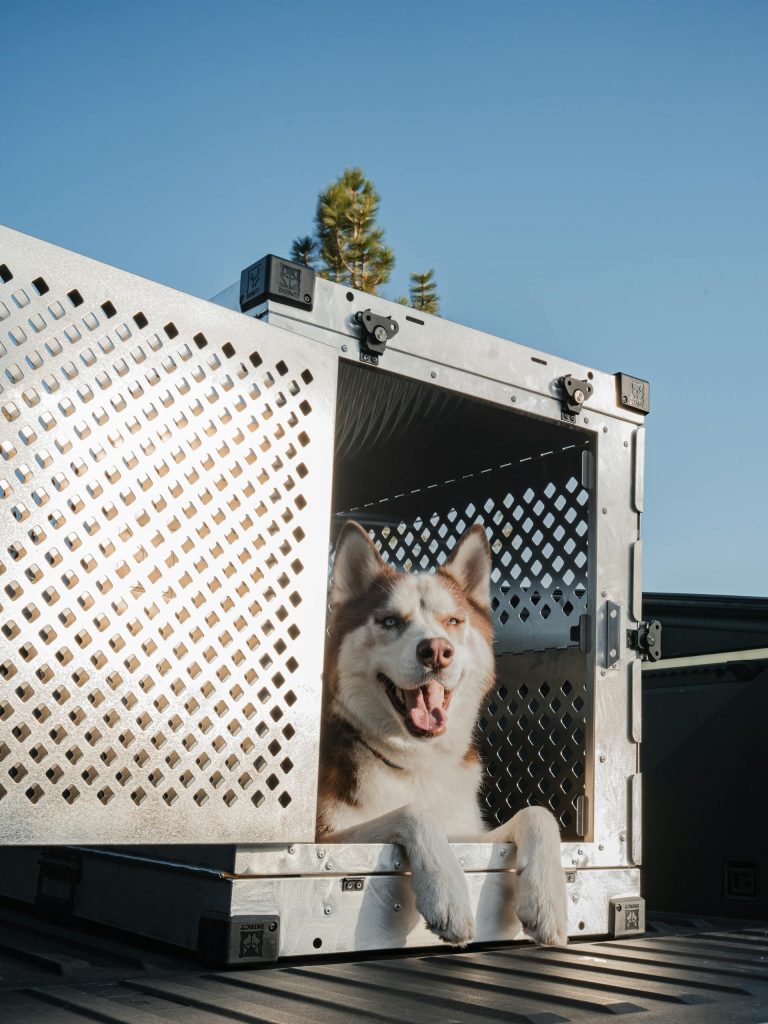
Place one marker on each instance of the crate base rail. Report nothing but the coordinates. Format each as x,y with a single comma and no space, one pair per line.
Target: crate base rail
317,900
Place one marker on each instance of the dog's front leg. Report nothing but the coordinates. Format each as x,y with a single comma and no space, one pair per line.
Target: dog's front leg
540,897
441,891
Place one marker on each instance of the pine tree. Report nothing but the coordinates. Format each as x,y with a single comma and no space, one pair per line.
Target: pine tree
304,250
423,289
350,247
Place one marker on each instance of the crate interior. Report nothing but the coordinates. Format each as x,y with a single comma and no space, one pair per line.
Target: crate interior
416,465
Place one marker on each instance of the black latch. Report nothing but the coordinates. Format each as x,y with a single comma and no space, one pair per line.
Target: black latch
646,639
377,331
575,394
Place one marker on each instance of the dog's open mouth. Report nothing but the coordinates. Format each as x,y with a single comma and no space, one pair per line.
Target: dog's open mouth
424,708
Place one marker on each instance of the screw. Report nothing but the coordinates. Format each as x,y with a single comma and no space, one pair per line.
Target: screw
605,511
586,420
601,846
579,396
291,849
320,854
273,926
574,860
575,899
433,374
602,759
307,298
344,348
397,865
624,399
622,837
613,653
514,398
327,911
626,444
580,851
503,853
328,866
605,430
618,907
396,908
603,593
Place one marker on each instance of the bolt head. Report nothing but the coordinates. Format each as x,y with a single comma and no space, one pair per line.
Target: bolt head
380,333
579,396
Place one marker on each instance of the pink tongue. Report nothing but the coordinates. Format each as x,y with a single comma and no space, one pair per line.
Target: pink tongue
425,707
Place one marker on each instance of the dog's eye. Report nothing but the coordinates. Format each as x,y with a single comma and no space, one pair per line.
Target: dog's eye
389,622
453,621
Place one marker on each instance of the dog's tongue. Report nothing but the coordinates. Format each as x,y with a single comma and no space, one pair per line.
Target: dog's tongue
425,708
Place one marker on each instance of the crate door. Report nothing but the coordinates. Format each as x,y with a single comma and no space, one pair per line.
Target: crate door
165,472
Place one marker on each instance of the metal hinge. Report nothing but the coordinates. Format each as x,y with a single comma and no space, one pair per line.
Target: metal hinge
575,394
377,331
646,639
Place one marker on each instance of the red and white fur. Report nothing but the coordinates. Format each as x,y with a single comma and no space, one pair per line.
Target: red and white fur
408,661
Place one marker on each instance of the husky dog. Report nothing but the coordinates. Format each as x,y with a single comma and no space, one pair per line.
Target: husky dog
408,661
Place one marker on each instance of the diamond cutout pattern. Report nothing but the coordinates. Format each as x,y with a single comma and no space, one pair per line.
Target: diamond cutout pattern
155,524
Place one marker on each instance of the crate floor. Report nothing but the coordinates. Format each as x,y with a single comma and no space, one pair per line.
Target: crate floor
683,970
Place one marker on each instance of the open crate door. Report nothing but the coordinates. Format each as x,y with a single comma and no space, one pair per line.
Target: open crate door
165,483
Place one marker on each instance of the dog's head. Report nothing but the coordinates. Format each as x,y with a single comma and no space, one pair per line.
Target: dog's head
409,656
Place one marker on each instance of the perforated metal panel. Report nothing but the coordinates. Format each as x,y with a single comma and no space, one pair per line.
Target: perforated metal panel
164,492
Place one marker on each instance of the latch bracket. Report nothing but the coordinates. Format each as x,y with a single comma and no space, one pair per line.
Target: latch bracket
575,394
377,331
646,639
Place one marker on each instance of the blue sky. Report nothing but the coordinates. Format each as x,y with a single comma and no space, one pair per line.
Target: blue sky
587,178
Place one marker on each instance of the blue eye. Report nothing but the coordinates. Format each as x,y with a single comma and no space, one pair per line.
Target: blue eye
390,622
453,621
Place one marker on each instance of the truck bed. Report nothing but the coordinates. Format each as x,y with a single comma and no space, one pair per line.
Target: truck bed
684,969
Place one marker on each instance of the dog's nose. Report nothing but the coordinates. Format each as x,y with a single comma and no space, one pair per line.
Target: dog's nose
436,653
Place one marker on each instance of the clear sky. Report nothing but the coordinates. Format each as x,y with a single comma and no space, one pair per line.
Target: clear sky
607,160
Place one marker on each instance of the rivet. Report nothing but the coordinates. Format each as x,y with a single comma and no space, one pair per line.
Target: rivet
503,853
397,865
433,374
328,866
344,348
622,837
580,851
320,854
586,419
575,899
602,759
291,849
327,911
618,907
514,398
626,444
601,846
605,430
396,908
605,511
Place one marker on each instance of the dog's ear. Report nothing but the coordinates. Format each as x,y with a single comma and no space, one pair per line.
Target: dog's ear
356,565
470,565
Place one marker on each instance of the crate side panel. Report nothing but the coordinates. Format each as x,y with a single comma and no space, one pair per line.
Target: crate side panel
165,478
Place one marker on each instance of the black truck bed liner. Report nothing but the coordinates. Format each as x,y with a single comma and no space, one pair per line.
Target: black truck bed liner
684,969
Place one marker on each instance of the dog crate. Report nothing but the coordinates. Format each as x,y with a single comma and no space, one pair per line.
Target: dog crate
173,474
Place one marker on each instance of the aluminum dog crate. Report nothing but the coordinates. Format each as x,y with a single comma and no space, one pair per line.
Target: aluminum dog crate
172,474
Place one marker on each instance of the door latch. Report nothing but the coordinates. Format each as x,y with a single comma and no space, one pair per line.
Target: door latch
575,394
377,331
646,639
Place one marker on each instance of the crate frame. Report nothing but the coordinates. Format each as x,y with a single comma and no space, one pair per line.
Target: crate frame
429,351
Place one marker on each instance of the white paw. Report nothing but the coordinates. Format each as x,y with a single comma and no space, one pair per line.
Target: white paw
540,900
443,901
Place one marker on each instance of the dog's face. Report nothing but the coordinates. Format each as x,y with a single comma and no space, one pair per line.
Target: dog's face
410,655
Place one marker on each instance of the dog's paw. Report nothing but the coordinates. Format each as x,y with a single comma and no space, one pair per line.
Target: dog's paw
442,900
540,900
